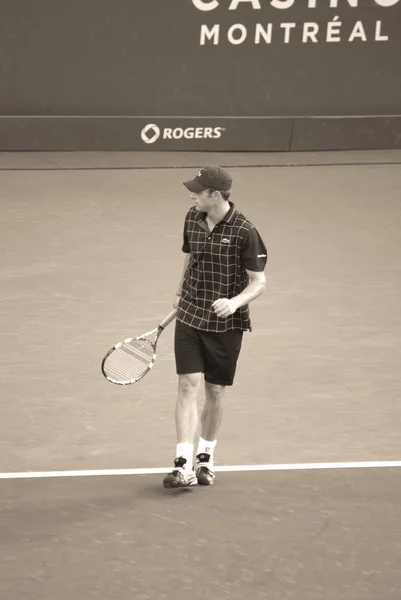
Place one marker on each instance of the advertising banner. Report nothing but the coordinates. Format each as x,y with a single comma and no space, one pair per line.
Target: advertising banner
140,133
254,134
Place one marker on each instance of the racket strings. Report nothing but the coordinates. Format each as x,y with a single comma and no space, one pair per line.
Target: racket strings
139,349
129,361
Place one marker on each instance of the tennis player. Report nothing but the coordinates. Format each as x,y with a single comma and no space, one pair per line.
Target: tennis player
224,264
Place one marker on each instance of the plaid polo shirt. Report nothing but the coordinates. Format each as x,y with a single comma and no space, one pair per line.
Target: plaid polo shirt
217,269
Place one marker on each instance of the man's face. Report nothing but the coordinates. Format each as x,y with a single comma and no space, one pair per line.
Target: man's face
204,201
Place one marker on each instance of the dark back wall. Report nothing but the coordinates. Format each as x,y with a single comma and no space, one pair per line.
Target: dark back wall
179,58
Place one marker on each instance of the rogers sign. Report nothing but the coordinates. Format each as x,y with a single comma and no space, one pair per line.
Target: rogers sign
152,132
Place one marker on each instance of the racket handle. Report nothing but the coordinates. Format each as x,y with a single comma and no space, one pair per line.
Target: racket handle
168,319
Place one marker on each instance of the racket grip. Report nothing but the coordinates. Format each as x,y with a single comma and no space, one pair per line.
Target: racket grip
170,317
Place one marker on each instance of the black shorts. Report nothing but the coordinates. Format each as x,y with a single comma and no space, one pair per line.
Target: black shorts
214,354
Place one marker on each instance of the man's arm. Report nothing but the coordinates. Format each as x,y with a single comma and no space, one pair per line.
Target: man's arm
186,263
179,288
186,249
255,288
223,307
254,258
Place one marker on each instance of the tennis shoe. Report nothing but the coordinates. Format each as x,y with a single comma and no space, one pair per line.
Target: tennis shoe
180,476
204,469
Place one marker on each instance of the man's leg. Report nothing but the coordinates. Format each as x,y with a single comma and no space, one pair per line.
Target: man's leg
186,419
212,412
189,366
186,410
221,354
211,418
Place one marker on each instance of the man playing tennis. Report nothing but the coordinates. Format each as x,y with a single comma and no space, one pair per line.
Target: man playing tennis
223,272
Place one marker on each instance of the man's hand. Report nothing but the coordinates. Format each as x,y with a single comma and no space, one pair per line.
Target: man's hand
224,307
176,300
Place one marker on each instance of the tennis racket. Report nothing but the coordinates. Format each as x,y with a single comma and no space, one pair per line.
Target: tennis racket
130,360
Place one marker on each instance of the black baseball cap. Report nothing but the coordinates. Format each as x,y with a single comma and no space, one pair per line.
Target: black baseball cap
209,177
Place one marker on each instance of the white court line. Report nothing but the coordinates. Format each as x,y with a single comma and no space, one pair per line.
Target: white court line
228,469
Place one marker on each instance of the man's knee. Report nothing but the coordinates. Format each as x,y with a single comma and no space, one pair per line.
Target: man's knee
214,392
188,384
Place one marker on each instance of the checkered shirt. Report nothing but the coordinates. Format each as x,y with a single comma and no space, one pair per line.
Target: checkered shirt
217,269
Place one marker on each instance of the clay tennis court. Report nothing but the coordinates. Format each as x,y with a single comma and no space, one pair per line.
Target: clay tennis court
90,252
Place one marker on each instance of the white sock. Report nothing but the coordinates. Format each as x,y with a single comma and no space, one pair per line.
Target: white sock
205,447
186,451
